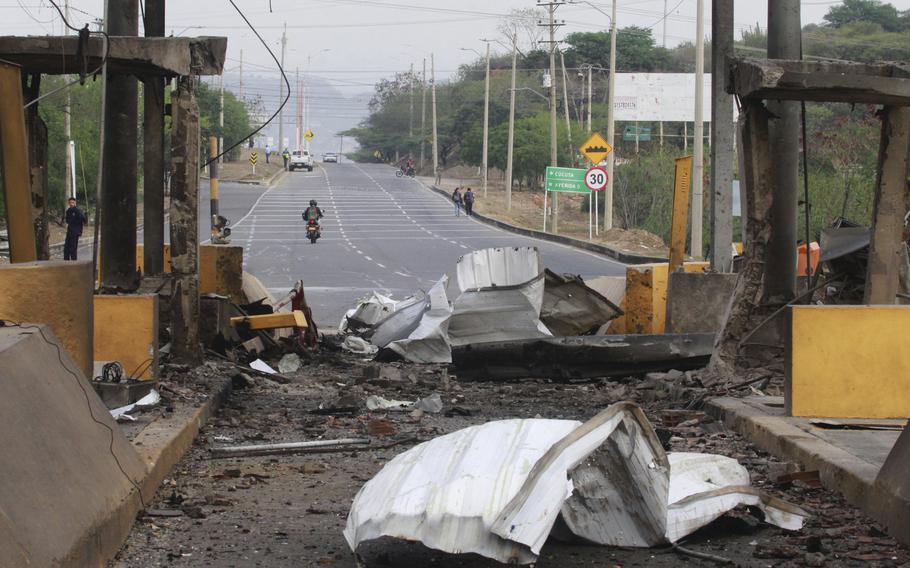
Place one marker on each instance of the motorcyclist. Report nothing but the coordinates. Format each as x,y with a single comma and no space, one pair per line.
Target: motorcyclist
313,212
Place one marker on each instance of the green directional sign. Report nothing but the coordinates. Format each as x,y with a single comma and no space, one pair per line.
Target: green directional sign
566,180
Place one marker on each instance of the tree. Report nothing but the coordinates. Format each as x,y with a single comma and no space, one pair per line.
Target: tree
870,11
236,118
635,50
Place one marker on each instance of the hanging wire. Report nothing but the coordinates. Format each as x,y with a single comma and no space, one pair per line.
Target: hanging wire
280,108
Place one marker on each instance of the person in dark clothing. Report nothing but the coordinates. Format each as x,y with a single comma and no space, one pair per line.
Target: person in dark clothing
313,212
458,200
469,202
75,221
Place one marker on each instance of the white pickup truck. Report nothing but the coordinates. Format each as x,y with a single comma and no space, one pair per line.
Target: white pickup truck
300,159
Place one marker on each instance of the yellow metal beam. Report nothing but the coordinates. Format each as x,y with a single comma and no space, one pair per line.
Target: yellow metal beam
679,225
272,321
14,167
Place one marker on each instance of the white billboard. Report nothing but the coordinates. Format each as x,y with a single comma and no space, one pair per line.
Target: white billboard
659,97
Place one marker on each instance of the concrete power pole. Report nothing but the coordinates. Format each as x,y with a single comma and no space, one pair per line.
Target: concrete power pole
299,118
284,43
240,90
554,152
486,124
153,153
784,36
611,117
423,112
70,175
722,138
411,104
698,168
665,25
120,161
511,123
565,102
435,135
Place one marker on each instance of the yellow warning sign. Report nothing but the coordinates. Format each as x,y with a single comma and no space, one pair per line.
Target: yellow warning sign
309,135
596,148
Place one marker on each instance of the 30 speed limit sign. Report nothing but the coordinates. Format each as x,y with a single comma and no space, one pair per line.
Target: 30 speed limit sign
596,179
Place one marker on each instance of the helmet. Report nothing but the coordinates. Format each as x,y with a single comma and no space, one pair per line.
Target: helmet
312,203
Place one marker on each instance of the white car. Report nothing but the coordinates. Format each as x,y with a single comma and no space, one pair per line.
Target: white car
330,157
300,159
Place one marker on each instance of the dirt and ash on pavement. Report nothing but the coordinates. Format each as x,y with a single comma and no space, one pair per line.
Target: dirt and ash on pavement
290,510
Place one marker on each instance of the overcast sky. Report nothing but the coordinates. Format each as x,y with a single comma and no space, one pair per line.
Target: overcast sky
368,39
352,43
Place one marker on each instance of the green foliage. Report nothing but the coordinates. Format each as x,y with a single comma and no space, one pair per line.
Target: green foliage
236,118
871,11
635,50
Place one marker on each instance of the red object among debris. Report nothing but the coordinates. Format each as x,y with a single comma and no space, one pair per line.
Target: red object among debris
815,253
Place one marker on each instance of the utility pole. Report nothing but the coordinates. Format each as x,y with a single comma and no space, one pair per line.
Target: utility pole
779,279
611,117
70,175
411,105
120,161
698,168
435,138
299,104
284,43
511,122
423,112
221,117
565,102
721,138
153,153
486,123
665,25
590,106
240,93
554,153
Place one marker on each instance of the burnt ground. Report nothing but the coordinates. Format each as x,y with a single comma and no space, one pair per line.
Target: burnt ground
279,511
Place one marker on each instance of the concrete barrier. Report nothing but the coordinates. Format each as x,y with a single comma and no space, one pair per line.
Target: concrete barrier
56,293
848,362
697,301
645,303
126,330
64,500
892,490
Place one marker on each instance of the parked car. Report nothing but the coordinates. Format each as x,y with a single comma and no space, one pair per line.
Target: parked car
301,159
330,157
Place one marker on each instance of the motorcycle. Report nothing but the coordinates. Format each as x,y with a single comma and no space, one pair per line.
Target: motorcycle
409,172
312,231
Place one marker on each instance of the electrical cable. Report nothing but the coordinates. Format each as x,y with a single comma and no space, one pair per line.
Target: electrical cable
280,108
83,32
88,402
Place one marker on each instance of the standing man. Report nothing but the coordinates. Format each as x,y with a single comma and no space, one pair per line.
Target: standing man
268,152
75,221
469,202
286,156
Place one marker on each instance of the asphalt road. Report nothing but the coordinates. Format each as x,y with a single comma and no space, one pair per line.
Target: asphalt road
380,233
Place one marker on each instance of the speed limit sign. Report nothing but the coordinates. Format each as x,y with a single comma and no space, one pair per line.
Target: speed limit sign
596,179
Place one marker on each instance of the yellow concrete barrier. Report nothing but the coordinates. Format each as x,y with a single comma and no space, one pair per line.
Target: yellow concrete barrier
220,269
645,303
848,362
126,330
56,293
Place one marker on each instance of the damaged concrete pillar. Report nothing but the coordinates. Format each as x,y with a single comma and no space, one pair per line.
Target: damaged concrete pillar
184,214
37,165
885,249
747,295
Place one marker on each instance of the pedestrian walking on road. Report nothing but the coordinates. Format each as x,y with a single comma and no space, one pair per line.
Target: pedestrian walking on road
286,156
75,221
469,202
268,152
458,200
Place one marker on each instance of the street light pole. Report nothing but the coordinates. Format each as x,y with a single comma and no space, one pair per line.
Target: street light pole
435,135
284,43
695,248
611,158
486,123
511,123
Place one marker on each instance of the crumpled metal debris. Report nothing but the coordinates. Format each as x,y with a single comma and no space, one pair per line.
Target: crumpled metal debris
504,484
358,346
122,414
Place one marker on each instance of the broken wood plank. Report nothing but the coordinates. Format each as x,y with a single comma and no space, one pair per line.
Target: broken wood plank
167,56
317,446
886,84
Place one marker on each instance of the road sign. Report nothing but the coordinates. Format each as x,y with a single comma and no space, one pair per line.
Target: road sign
253,157
566,180
596,179
308,135
596,148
